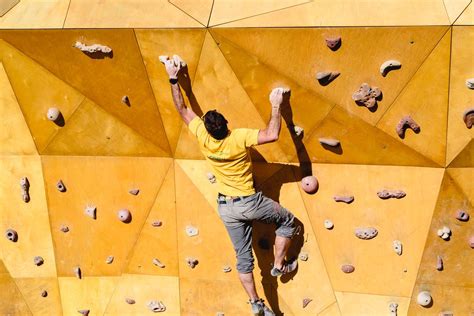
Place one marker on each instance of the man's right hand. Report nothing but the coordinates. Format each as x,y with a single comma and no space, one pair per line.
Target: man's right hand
173,66
276,96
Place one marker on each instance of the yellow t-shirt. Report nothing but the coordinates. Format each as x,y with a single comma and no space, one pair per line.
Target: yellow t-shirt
228,157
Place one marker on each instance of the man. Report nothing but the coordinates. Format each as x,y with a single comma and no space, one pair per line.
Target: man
238,204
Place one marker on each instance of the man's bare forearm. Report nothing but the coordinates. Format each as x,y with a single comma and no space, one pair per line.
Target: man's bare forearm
178,98
274,124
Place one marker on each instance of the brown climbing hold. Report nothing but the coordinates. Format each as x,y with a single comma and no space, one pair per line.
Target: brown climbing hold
84,312
11,235
158,263
367,96
91,211
333,42
157,223
347,268
192,262
309,184
306,301
77,272
124,216
109,259
130,301
38,260
468,118
391,194
126,100
134,191
326,77
471,241
389,65
25,188
44,293
407,122
64,228
462,216
60,186
439,263
344,198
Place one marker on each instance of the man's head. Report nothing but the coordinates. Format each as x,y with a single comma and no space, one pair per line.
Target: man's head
215,124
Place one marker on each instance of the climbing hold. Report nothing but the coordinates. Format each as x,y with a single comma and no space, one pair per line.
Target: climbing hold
389,65
462,216
91,211
303,256
367,96
134,191
11,235
125,100
226,269
391,194
211,177
220,314
77,272
109,259
471,241
44,293
306,301
397,247
191,231
407,122
329,142
156,306
366,232
60,186
38,260
53,114
309,184
25,188
392,307
157,223
328,224
130,301
439,263
446,313
297,130
84,312
158,263
95,48
444,232
424,298
344,198
347,268
468,118
333,42
192,262
470,83
124,216
326,77
64,228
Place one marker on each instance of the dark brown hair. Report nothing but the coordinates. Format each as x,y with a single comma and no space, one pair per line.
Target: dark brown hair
216,124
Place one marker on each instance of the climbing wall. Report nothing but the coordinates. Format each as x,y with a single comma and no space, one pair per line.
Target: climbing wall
107,208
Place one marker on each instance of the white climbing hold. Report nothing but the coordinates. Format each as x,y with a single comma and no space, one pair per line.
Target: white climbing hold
124,215
91,211
397,247
328,224
470,83
25,187
156,306
158,263
109,259
439,263
444,232
226,269
192,231
329,141
303,256
424,298
53,114
392,307
77,272
389,65
60,186
462,215
366,232
298,130
348,199
326,77
391,194
94,48
211,177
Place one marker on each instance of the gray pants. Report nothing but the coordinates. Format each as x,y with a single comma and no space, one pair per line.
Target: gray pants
238,216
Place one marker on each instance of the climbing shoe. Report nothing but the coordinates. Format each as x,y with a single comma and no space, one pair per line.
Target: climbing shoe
260,309
287,268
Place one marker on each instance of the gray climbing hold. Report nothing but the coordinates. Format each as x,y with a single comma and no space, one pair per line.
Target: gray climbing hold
25,189
211,177
130,301
439,263
389,65
470,83
366,233
306,301
91,211
226,269
109,259
38,260
84,312
393,307
329,141
11,235
156,306
407,122
328,224
391,194
347,268
326,77
344,198
124,216
77,272
53,114
424,298
191,231
60,186
398,247
64,228
44,293
462,215
192,262
367,96
158,263
303,256
134,191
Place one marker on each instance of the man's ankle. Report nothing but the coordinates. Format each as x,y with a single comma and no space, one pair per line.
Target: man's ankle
279,266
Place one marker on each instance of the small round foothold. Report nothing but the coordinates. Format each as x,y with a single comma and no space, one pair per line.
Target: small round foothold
306,301
53,114
424,298
64,228
303,256
44,293
191,231
347,268
328,224
60,186
226,269
38,260
124,216
157,223
11,235
130,301
309,184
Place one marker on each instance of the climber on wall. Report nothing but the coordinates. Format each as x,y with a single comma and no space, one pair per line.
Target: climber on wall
238,204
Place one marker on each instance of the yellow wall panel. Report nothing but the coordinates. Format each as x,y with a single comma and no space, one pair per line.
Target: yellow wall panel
331,310
455,8
465,158
93,131
13,302
467,17
103,182
37,90
282,50
30,220
463,179
354,304
90,293
425,99
36,14
158,242
126,13
454,299
103,80
32,288
143,289
15,137
198,9
153,43
460,97
404,219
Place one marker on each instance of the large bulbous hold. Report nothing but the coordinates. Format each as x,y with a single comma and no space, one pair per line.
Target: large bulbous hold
124,216
309,184
424,298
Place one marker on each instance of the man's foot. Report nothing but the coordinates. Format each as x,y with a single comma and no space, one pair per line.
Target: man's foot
260,309
287,268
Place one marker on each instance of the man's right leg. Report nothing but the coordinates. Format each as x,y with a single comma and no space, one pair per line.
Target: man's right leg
281,248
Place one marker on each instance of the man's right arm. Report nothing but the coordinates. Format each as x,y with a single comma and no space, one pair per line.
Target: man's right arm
271,133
